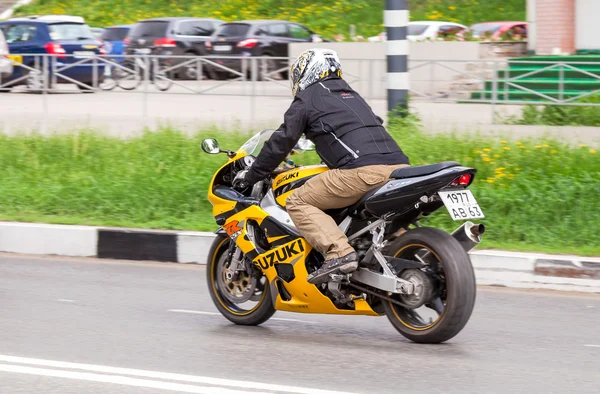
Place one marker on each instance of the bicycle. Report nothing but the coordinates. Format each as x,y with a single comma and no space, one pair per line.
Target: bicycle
132,71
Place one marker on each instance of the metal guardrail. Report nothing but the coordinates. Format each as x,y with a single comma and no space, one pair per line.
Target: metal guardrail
501,81
135,72
266,76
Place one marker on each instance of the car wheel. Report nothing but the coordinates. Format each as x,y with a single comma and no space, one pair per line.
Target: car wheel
86,89
266,66
190,70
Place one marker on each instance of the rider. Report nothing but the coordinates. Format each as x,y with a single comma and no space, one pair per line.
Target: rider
351,141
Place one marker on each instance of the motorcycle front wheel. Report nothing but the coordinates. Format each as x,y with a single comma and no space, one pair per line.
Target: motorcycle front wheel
445,290
245,299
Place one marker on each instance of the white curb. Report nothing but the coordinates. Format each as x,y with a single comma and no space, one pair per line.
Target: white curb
492,267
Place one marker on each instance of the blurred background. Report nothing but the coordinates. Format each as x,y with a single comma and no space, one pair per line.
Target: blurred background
103,107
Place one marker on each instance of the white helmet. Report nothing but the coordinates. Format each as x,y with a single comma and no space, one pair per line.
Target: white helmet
313,65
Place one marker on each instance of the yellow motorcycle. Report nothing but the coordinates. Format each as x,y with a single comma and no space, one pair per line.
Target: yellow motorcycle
421,278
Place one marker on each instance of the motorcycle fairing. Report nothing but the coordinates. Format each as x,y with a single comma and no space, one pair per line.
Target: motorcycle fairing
285,264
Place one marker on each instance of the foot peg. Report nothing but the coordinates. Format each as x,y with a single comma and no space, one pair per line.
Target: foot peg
341,278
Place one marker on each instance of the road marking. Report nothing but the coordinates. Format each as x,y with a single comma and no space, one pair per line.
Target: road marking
592,345
216,313
193,312
63,300
589,306
123,380
117,371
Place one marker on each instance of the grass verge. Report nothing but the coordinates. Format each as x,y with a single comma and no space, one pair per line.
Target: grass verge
538,195
560,115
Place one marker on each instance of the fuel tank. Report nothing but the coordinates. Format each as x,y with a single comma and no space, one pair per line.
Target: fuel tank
285,183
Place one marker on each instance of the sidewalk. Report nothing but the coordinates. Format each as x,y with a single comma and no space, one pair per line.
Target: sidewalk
472,118
500,268
126,114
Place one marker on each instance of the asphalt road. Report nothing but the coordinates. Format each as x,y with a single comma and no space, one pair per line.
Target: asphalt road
156,318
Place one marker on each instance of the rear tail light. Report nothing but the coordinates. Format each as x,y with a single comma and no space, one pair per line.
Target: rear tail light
462,180
165,43
249,43
127,41
208,44
465,179
55,49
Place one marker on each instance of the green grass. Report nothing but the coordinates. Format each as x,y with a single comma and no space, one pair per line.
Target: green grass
537,195
560,115
326,18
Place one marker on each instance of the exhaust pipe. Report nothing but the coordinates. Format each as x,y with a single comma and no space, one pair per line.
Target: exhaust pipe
469,235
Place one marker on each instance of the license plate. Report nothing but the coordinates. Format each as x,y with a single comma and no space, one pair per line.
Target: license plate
143,51
82,54
461,205
17,59
222,48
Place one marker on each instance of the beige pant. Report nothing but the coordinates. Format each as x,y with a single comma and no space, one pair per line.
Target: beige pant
330,190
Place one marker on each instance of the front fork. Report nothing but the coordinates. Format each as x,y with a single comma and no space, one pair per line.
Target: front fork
236,263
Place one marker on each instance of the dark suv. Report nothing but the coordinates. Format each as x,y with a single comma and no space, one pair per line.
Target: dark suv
256,38
177,36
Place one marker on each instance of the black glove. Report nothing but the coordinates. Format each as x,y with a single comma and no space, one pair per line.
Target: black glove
240,182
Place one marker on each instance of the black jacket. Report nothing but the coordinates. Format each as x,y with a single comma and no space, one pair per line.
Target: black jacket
344,129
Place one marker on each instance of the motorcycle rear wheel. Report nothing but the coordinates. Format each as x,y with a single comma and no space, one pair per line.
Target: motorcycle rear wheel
258,314
452,278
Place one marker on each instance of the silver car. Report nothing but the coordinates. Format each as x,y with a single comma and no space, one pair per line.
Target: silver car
6,66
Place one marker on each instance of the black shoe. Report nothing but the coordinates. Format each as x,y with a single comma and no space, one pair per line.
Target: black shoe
343,265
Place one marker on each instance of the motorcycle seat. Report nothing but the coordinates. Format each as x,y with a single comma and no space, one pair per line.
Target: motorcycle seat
402,173
412,172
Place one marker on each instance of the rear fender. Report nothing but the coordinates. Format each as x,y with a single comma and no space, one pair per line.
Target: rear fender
399,195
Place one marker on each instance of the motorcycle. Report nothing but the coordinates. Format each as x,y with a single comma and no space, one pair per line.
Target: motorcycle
421,278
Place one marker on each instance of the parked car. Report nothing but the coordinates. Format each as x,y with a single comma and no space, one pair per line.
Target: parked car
423,30
68,38
177,36
97,31
497,29
256,38
6,67
113,38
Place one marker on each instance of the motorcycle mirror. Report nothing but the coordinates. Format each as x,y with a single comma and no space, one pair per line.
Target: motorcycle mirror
211,146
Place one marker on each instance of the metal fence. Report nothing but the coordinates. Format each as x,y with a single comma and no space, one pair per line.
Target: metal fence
431,80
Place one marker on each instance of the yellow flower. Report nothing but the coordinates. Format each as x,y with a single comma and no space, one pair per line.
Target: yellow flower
522,146
553,151
484,155
496,156
486,149
500,169
500,175
452,8
583,145
490,180
506,148
487,159
538,146
546,145
500,9
593,151
503,141
517,169
511,176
